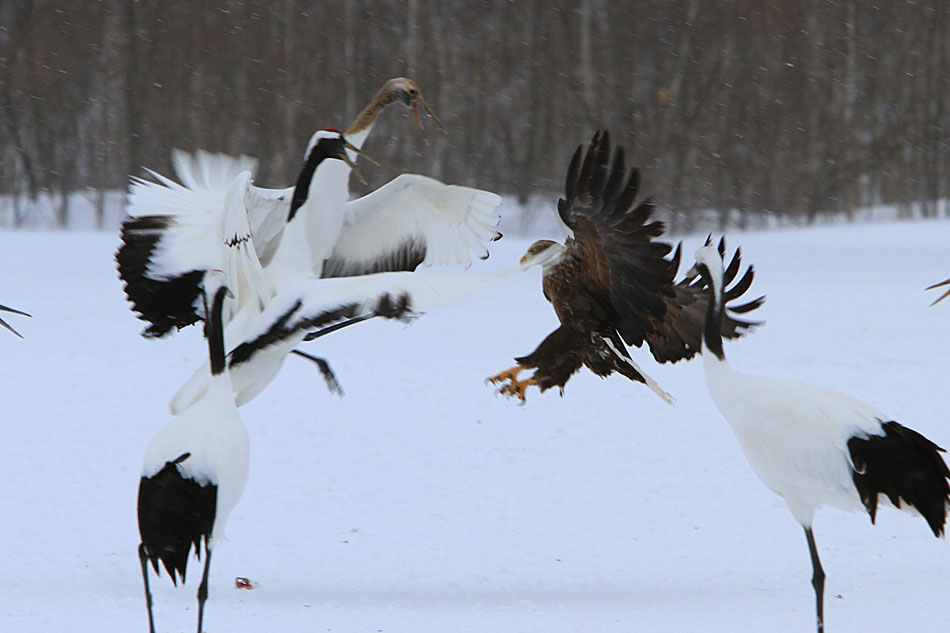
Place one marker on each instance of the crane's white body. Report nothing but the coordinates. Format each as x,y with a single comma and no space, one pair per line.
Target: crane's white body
815,447
195,468
794,435
212,432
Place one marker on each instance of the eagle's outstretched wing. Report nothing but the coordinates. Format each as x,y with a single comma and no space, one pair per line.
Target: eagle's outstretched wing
614,285
614,240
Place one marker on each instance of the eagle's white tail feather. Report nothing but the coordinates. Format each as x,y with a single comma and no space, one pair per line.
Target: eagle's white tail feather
652,384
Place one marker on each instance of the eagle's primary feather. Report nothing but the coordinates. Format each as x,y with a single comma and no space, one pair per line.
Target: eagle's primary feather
612,283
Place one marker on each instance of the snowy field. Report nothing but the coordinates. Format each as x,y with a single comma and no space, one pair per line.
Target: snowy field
420,502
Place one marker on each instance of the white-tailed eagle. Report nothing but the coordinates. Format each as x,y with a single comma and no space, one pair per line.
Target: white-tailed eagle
612,285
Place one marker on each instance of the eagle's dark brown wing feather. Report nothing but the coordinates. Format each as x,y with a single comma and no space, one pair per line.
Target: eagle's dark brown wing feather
620,261
615,282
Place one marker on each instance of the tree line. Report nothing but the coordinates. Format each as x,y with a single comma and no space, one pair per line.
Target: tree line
732,109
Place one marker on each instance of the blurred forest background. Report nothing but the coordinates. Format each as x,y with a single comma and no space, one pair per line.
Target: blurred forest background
733,109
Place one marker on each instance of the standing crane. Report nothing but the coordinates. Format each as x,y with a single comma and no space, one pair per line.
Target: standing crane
195,469
815,447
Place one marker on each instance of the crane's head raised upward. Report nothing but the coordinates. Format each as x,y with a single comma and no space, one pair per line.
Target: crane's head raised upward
407,92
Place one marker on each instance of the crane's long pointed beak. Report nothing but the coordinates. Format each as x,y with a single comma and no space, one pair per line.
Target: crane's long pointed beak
432,116
4,308
6,325
359,152
346,159
354,169
9,327
944,295
422,127
425,106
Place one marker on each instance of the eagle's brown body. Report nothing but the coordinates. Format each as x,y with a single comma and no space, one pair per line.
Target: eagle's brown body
587,322
568,274
611,284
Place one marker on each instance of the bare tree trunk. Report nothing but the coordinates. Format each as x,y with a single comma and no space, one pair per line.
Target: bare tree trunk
61,208
349,55
587,75
100,208
800,108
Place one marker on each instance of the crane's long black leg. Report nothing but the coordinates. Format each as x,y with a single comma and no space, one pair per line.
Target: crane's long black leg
143,559
817,580
332,384
337,326
203,587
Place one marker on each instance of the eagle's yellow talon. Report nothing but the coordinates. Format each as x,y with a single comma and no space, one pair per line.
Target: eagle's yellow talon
510,385
507,375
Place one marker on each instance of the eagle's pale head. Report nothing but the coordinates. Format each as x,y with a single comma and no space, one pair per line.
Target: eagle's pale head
544,253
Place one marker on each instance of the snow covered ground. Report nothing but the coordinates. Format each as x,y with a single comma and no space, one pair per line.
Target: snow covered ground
420,502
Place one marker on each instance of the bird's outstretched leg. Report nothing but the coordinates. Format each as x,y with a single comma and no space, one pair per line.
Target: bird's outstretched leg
514,387
203,587
143,559
817,580
337,326
332,383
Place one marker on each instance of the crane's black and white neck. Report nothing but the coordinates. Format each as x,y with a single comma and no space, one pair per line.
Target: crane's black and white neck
815,447
195,469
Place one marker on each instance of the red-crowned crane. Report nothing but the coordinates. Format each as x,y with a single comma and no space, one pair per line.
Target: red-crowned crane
195,469
814,447
303,298
216,218
266,240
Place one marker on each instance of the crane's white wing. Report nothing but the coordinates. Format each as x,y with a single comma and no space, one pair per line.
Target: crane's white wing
205,178
267,211
195,213
204,171
414,220
175,233
212,174
317,303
